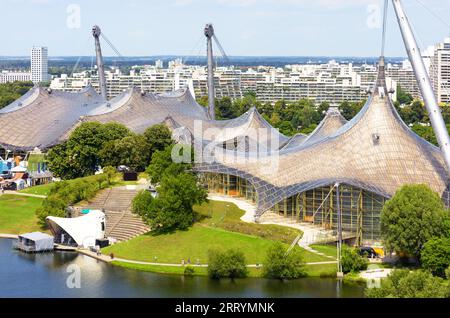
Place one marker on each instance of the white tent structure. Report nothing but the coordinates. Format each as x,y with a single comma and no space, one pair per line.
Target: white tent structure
81,231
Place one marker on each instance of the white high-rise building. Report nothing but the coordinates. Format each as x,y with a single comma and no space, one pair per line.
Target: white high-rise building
39,64
440,71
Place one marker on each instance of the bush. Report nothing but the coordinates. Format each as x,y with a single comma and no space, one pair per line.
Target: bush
435,256
447,273
52,206
229,264
189,271
405,284
281,266
66,193
351,261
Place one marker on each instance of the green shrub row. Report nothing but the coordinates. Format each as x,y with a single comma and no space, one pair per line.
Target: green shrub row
66,193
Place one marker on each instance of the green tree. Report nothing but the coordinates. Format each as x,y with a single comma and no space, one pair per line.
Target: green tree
141,203
228,264
9,92
172,209
412,217
351,261
403,97
265,109
418,112
346,110
426,132
203,101
224,108
158,137
162,164
132,151
435,256
285,127
79,156
323,108
280,265
350,110
405,284
110,173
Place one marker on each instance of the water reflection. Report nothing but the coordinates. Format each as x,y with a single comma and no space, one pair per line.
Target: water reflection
45,275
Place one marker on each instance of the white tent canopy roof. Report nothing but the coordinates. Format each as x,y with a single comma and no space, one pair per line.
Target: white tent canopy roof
84,229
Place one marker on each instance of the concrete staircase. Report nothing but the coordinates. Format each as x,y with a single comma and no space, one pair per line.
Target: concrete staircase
121,223
114,199
123,226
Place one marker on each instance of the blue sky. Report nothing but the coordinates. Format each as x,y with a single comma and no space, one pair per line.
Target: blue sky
245,27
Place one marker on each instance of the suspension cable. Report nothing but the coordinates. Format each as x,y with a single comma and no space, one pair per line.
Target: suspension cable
442,20
383,41
222,51
111,45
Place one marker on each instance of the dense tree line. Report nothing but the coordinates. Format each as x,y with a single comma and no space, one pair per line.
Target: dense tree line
9,92
304,115
92,145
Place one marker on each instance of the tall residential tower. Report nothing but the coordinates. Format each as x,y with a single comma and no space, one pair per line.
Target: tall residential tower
440,71
39,64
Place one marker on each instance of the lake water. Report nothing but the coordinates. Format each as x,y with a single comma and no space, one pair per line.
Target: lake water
45,275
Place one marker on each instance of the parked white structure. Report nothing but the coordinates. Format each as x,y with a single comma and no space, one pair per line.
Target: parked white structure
39,64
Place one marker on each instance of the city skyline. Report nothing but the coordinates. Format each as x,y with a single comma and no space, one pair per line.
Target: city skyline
258,28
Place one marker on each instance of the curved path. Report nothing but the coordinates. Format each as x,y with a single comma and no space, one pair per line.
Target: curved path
108,259
23,194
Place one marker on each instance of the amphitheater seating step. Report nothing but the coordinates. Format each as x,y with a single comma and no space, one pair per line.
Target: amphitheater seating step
121,223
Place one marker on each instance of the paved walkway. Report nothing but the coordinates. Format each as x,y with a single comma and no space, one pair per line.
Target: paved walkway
8,236
193,265
376,273
24,194
250,209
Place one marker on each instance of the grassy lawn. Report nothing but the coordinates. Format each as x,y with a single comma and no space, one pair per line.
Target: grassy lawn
208,234
39,190
193,243
326,270
17,214
227,216
329,250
